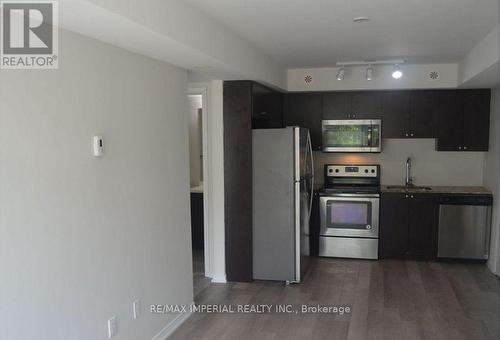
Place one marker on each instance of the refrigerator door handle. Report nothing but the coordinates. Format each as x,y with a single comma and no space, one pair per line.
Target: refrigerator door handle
297,233
312,177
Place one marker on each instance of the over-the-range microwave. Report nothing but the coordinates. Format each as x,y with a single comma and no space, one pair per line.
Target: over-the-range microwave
355,135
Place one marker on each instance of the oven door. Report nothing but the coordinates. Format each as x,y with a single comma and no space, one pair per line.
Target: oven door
349,215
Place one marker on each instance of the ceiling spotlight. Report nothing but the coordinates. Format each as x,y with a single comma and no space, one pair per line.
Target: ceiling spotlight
396,72
341,73
369,73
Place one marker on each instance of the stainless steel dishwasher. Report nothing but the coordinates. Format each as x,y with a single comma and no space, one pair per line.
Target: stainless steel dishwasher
464,226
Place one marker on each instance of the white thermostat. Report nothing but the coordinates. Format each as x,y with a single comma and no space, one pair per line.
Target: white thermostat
98,145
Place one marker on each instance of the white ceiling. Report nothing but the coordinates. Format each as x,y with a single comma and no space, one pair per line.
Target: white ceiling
317,33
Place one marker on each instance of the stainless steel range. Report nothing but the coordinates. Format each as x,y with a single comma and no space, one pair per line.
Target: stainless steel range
349,208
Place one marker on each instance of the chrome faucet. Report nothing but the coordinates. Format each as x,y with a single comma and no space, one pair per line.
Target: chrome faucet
408,179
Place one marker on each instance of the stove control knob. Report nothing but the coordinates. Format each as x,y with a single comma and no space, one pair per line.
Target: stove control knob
330,170
366,170
368,227
373,171
337,170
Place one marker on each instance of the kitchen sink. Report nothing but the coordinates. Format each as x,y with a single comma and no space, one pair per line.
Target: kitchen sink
409,188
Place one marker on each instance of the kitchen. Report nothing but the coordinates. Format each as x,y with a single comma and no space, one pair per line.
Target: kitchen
379,201
391,170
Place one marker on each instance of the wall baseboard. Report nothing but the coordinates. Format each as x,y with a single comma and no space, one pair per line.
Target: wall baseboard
171,327
219,279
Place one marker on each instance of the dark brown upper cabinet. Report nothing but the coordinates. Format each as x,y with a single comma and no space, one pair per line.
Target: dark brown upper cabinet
395,114
304,110
352,105
464,120
424,114
459,119
410,114
337,105
267,107
366,105
450,123
476,111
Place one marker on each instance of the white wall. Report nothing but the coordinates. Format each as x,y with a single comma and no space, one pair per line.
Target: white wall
485,54
216,145
491,179
429,167
171,31
195,139
80,237
213,183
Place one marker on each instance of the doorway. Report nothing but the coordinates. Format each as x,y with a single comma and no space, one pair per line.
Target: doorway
197,164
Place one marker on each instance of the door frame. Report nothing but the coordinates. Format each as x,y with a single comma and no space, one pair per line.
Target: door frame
207,227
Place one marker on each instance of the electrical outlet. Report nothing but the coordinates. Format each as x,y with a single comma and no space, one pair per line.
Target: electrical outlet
112,327
136,308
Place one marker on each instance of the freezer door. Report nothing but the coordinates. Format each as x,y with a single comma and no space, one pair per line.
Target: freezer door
304,166
303,200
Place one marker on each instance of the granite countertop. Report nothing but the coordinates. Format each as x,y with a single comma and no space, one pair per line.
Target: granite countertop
474,190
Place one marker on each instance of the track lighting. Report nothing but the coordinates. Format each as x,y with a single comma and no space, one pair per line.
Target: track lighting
396,72
341,73
369,73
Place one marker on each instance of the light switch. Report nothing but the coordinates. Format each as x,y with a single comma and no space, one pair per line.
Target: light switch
98,145
136,308
112,327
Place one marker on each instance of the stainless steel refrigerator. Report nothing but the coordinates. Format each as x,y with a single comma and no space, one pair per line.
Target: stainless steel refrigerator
282,200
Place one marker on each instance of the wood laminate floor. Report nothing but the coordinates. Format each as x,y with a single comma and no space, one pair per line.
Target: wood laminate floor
389,300
200,281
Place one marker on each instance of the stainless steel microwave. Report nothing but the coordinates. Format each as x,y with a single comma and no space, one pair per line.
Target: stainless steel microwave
356,135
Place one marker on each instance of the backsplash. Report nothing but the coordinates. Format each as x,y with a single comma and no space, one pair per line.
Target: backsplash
429,167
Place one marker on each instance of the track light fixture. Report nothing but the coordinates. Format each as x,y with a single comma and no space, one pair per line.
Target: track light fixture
396,72
341,73
369,73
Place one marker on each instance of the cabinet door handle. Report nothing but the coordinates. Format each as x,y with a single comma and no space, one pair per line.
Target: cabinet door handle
411,134
406,196
465,148
353,116
407,135
459,148
412,196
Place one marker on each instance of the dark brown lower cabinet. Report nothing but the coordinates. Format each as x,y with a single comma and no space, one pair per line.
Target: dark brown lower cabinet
408,226
423,226
197,229
394,229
